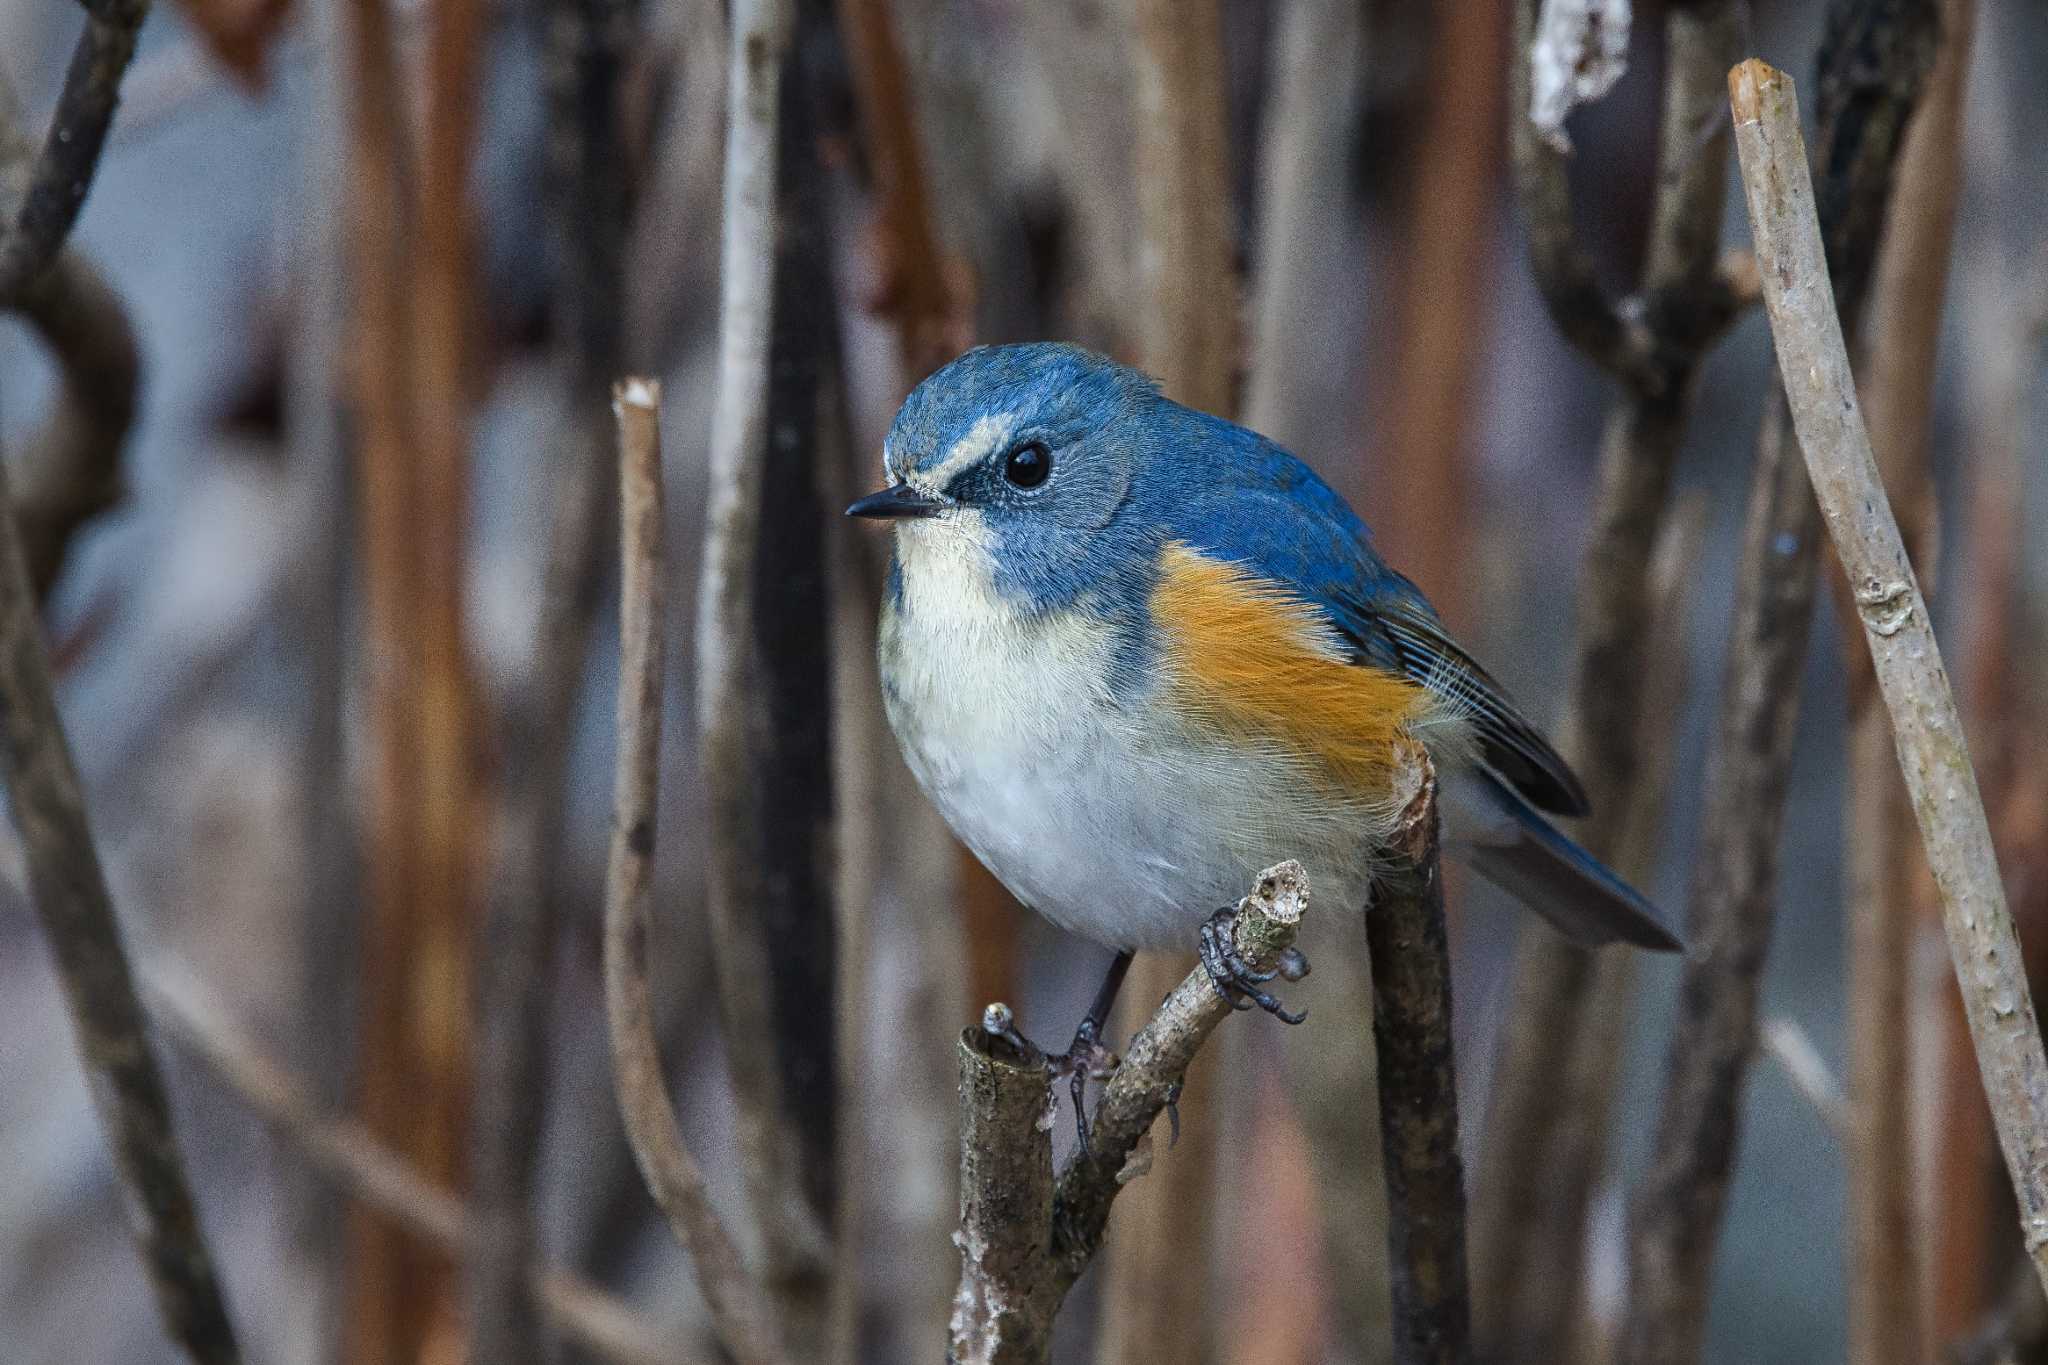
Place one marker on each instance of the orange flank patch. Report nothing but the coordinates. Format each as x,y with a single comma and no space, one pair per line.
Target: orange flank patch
1249,658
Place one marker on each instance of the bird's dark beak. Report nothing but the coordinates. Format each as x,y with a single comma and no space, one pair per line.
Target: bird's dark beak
899,500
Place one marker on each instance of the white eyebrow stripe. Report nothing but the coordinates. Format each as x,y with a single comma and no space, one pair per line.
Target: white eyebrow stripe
983,437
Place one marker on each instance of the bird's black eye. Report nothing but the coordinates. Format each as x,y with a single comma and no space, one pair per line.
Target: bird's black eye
1028,465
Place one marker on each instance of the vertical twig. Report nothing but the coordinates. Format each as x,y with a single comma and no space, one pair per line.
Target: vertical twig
1814,362
71,152
1157,1279
69,889
758,990
739,1310
71,475
1886,1306
1418,1090
1872,60
790,828
1546,1128
591,202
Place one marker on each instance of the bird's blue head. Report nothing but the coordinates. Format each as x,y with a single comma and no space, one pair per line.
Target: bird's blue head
1013,464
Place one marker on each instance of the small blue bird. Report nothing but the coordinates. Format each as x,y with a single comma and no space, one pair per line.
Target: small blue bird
1135,653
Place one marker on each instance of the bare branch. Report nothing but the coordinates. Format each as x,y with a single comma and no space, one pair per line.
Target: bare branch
1418,1089
349,1156
739,1310
71,152
1015,1274
1933,756
69,889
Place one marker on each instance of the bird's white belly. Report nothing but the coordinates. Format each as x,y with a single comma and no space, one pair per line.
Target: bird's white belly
1106,816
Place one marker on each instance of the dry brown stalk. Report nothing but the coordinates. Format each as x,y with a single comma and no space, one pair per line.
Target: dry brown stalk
740,1311
1966,1183
914,292
1933,757
410,382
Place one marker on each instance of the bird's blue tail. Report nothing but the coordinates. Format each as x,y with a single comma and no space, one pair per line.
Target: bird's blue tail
1506,841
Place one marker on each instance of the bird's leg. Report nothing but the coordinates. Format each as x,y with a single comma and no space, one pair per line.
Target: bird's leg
1087,1056
1237,981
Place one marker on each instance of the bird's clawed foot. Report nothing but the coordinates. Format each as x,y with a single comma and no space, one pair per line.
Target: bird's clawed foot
1237,981
1084,1060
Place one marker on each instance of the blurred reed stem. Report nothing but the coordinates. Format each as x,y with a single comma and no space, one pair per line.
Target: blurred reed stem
1546,1128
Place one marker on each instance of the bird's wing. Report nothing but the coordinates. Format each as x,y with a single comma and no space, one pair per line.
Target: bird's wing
1270,513
1396,628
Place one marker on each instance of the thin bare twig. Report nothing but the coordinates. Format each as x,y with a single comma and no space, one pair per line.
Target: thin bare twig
71,152
1024,1237
69,889
1418,1089
1933,756
348,1156
1546,1126
739,1310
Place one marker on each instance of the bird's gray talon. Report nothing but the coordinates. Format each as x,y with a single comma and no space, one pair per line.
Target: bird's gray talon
1293,964
1235,979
